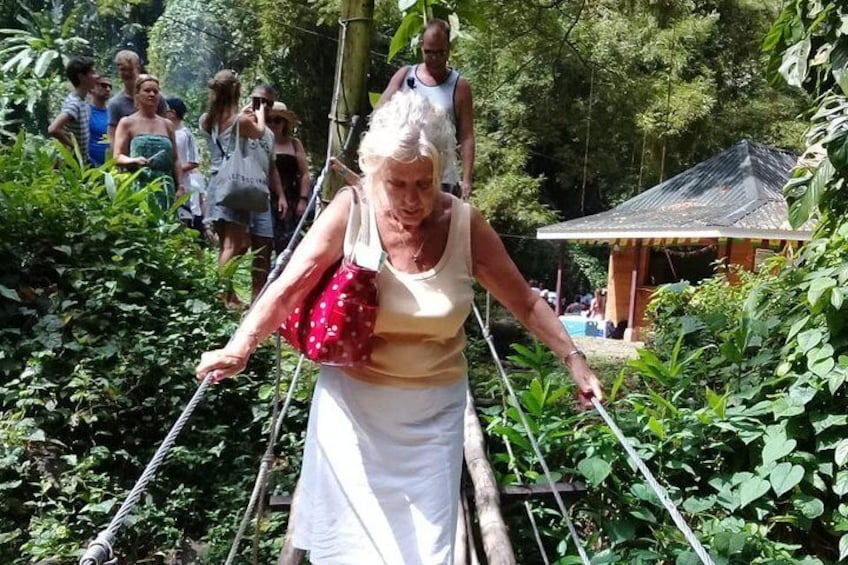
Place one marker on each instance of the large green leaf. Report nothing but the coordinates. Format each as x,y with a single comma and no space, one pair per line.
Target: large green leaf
729,543
840,483
809,506
595,469
752,489
837,152
818,288
843,547
784,477
840,455
809,339
44,60
776,448
794,65
804,207
9,293
406,31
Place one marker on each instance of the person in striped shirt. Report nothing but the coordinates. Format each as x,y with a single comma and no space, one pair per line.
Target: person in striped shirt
71,125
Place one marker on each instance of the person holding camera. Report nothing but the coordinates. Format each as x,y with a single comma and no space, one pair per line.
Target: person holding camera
240,230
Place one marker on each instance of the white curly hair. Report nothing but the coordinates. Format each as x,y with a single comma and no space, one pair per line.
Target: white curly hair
406,128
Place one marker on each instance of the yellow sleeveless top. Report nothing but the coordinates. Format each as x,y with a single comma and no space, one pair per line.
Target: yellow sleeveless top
419,337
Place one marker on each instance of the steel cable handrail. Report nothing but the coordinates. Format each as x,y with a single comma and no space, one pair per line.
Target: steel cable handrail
655,486
99,551
260,485
661,493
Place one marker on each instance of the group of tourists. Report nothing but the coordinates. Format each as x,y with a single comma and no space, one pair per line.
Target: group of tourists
146,132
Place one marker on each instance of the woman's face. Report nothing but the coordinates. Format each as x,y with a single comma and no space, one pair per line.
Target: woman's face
148,94
278,124
408,189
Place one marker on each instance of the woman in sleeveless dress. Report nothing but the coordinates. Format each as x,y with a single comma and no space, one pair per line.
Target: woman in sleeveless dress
290,159
383,454
239,230
145,139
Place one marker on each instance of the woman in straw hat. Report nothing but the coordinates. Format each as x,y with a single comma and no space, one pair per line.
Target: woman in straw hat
290,159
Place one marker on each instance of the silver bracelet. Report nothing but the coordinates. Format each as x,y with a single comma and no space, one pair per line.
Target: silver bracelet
575,351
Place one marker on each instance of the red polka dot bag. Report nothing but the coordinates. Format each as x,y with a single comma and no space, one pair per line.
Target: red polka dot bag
335,323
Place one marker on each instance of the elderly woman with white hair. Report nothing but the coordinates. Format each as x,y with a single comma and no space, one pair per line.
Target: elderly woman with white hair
382,462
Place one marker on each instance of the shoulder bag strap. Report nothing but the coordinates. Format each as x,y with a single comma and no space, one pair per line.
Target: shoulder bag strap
354,221
358,220
214,133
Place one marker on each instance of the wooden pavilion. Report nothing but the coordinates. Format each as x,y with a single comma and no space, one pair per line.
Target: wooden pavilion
729,207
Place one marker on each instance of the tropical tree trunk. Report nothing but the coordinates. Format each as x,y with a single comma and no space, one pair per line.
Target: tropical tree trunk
350,92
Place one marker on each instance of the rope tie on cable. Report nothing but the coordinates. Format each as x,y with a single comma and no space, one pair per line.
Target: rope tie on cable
536,450
655,486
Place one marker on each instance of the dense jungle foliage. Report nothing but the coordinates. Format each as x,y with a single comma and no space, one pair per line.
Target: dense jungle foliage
737,403
106,306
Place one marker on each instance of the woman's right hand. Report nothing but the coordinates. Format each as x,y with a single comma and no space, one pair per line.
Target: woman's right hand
223,362
141,161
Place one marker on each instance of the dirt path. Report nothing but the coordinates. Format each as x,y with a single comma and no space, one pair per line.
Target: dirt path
607,356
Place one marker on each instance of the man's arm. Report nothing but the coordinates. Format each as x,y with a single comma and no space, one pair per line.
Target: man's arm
57,129
465,133
112,114
394,85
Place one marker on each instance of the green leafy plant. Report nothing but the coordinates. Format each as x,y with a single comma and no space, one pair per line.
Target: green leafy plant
105,307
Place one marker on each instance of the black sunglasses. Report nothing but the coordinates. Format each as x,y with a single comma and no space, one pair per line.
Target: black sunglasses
105,84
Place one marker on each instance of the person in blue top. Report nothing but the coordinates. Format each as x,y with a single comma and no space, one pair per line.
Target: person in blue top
98,123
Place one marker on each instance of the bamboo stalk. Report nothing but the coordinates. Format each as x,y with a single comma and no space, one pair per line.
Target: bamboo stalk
493,531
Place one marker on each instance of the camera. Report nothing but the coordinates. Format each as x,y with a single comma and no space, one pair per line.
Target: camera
258,102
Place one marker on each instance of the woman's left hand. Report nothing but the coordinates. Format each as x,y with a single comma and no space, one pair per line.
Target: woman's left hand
301,206
588,384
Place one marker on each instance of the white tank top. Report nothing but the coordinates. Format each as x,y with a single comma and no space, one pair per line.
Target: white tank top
419,338
441,95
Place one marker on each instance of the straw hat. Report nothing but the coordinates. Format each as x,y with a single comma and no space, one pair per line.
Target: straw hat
280,109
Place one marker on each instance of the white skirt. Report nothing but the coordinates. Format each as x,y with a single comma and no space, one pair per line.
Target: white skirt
381,472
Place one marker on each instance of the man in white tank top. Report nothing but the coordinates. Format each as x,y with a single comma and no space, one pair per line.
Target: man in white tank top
442,86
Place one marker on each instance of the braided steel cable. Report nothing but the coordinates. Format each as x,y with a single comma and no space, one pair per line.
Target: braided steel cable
655,486
100,550
527,505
